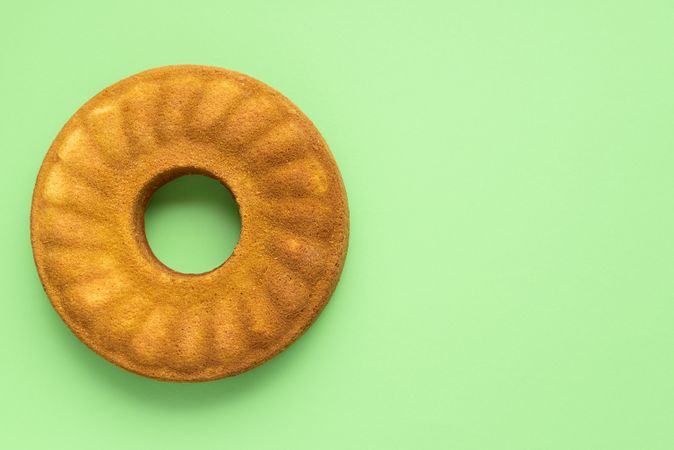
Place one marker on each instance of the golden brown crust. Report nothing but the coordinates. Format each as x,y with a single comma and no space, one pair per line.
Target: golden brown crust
88,234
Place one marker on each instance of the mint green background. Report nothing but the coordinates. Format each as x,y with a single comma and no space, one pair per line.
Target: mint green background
192,224
509,283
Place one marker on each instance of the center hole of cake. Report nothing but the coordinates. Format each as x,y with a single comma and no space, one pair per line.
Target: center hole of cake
192,224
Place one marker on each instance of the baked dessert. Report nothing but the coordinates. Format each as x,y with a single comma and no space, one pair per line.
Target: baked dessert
88,235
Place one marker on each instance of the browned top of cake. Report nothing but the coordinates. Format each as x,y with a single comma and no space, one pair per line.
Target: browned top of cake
88,234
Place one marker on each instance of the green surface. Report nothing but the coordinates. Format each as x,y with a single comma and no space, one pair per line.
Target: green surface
192,224
509,283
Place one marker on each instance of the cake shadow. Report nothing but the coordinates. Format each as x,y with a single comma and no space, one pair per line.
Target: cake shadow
163,394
